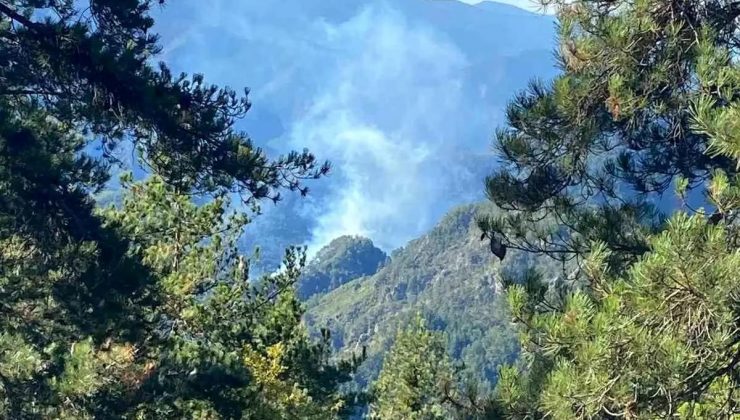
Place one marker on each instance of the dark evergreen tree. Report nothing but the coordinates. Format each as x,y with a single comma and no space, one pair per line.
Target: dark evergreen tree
586,156
144,310
89,68
662,341
222,347
647,101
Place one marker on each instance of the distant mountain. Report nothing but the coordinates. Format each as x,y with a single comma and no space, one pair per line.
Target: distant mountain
345,258
450,276
402,96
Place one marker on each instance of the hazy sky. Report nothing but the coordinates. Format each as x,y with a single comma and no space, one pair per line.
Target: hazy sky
524,4
401,99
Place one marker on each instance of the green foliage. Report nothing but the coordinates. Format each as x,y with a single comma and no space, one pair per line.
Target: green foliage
90,69
19,360
647,96
279,398
64,277
80,376
417,378
217,333
420,381
662,341
201,346
648,331
146,309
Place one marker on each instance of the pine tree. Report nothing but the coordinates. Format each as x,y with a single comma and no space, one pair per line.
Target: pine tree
145,310
222,345
210,343
646,102
89,68
661,341
418,380
586,156
417,375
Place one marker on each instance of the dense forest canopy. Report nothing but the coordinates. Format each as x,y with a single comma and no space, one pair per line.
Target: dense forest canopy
146,308
447,275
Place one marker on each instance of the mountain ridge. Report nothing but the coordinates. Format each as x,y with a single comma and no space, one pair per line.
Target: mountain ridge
450,277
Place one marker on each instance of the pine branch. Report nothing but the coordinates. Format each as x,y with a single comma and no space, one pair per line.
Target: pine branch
14,15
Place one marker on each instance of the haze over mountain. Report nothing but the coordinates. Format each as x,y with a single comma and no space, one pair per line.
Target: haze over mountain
401,96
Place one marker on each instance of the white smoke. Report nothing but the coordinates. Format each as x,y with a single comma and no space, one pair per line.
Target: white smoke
386,120
387,98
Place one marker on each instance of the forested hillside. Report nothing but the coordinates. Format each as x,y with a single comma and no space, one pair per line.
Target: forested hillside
450,277
344,259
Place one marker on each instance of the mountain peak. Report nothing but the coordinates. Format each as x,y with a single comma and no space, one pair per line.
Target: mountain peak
345,258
